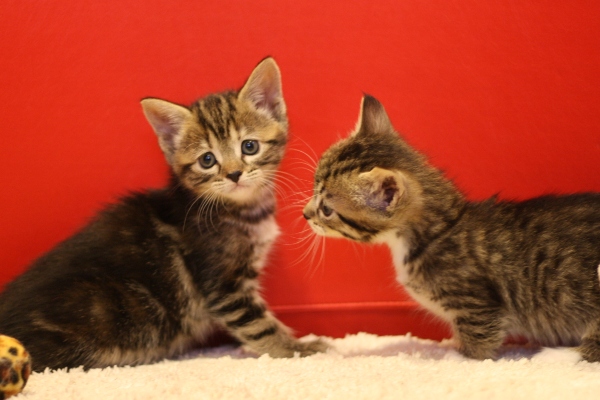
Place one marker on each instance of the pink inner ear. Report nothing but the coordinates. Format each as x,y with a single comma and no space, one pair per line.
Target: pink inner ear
264,100
389,188
381,197
267,96
388,195
165,126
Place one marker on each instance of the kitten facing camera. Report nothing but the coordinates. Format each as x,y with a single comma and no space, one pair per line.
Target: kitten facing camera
158,271
491,269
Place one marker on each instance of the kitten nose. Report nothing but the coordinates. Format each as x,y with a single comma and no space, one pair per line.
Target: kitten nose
307,213
234,176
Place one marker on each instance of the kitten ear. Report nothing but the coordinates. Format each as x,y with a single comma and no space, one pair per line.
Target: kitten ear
263,89
167,120
372,118
383,188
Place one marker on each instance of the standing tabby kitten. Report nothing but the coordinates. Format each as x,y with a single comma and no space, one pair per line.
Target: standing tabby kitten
154,273
490,269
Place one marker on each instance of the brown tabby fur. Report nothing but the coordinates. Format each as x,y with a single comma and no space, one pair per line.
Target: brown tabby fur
491,269
156,272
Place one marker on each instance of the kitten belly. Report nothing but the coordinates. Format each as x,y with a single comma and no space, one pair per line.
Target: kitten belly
555,330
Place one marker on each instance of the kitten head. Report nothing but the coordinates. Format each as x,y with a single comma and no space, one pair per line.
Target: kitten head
226,146
369,183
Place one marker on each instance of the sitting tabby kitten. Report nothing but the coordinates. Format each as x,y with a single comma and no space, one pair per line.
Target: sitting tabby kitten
490,269
154,273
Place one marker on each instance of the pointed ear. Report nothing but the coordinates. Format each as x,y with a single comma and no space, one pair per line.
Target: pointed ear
167,120
263,89
383,188
372,117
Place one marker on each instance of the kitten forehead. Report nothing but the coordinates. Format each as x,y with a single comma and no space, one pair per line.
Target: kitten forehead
193,144
216,114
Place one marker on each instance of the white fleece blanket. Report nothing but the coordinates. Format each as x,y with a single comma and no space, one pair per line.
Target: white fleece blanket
362,366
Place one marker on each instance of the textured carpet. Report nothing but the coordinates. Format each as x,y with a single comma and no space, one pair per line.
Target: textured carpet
361,366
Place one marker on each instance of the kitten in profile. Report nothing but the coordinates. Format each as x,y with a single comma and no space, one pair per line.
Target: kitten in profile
154,273
490,269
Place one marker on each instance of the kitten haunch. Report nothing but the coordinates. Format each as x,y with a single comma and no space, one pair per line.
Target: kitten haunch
156,272
490,269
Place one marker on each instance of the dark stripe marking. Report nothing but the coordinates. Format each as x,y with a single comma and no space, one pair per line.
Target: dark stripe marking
347,236
267,332
233,306
253,313
357,226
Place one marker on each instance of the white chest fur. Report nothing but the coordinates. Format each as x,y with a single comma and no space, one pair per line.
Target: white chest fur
263,236
413,284
399,248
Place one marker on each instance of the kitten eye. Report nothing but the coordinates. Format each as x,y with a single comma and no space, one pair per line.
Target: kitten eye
207,160
250,147
326,210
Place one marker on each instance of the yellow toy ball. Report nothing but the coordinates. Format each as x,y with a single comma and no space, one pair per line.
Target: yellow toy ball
15,367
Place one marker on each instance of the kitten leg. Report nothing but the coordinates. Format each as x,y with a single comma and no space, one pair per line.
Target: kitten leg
275,339
479,333
248,320
590,344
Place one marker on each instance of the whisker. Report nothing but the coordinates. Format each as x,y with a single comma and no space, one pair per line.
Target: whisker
188,211
319,248
313,158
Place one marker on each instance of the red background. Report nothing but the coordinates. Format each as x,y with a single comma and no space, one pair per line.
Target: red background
501,95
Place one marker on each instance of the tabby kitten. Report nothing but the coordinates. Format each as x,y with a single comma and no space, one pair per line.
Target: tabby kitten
490,269
157,271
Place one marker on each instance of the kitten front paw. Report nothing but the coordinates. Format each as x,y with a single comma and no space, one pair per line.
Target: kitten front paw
477,352
312,347
295,347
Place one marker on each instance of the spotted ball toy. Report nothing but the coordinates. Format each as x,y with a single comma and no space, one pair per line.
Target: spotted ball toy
15,367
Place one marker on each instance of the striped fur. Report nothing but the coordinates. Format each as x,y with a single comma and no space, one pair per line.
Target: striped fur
490,269
158,271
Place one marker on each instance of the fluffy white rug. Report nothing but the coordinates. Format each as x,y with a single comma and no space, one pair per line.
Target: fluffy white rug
362,366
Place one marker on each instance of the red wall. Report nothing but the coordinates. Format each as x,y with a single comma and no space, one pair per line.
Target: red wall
502,95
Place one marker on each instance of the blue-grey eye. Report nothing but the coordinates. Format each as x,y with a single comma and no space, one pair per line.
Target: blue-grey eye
207,160
250,147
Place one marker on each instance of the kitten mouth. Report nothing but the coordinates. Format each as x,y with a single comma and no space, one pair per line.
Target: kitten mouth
239,191
319,230
237,187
